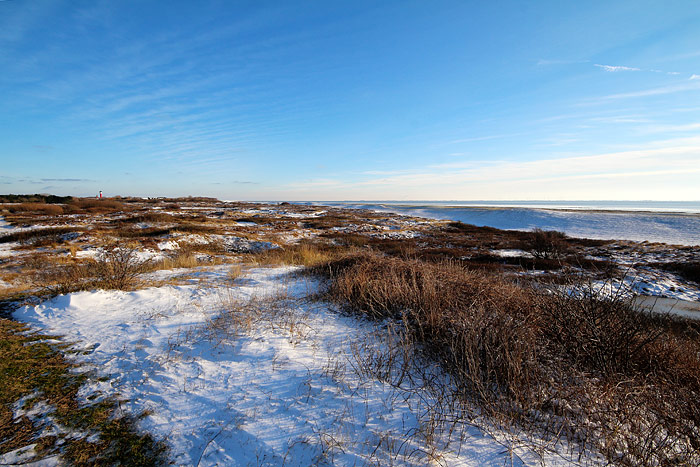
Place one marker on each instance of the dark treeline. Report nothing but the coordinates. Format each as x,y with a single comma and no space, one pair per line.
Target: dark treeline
35,198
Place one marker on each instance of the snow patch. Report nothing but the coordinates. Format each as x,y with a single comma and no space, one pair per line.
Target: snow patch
279,391
512,253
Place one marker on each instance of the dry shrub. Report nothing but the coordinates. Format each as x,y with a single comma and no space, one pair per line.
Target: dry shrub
213,246
35,198
56,278
150,216
118,267
193,228
462,317
689,270
546,244
94,205
47,209
599,331
150,232
62,279
585,366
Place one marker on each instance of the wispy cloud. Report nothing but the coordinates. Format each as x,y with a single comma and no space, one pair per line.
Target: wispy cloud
658,128
661,158
67,180
650,172
657,91
616,68
694,76
174,95
484,138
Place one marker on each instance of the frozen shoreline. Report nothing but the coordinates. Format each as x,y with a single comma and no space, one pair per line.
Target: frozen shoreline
674,228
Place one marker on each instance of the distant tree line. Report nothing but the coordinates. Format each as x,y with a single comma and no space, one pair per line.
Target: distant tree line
35,198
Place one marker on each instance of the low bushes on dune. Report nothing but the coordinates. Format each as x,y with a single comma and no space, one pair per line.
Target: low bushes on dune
41,208
581,364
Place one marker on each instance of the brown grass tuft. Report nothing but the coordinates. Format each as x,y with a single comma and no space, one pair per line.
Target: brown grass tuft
582,364
47,209
95,206
303,254
184,259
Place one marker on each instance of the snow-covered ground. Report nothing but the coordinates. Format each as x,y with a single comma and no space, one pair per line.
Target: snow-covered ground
258,373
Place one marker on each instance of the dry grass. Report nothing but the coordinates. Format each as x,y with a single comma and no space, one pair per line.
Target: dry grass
689,270
179,260
42,208
235,272
36,370
301,254
38,237
95,206
582,366
182,259
116,267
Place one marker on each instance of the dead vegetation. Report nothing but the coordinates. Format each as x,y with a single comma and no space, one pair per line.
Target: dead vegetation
117,266
546,244
689,270
35,372
583,366
301,254
39,237
41,208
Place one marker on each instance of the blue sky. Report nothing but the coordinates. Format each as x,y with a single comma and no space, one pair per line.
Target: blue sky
330,100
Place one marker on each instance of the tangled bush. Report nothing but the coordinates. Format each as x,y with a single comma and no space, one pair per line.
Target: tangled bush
118,267
546,244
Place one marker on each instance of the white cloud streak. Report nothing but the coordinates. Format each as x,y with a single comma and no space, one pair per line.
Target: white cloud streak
623,175
662,90
614,69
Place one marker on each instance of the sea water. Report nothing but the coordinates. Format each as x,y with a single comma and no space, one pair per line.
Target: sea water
672,222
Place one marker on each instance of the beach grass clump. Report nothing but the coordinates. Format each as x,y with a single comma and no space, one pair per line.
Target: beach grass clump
38,237
689,270
184,259
38,208
94,205
300,254
573,362
118,266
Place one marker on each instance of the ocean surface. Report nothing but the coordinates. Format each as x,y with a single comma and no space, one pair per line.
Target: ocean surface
672,222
